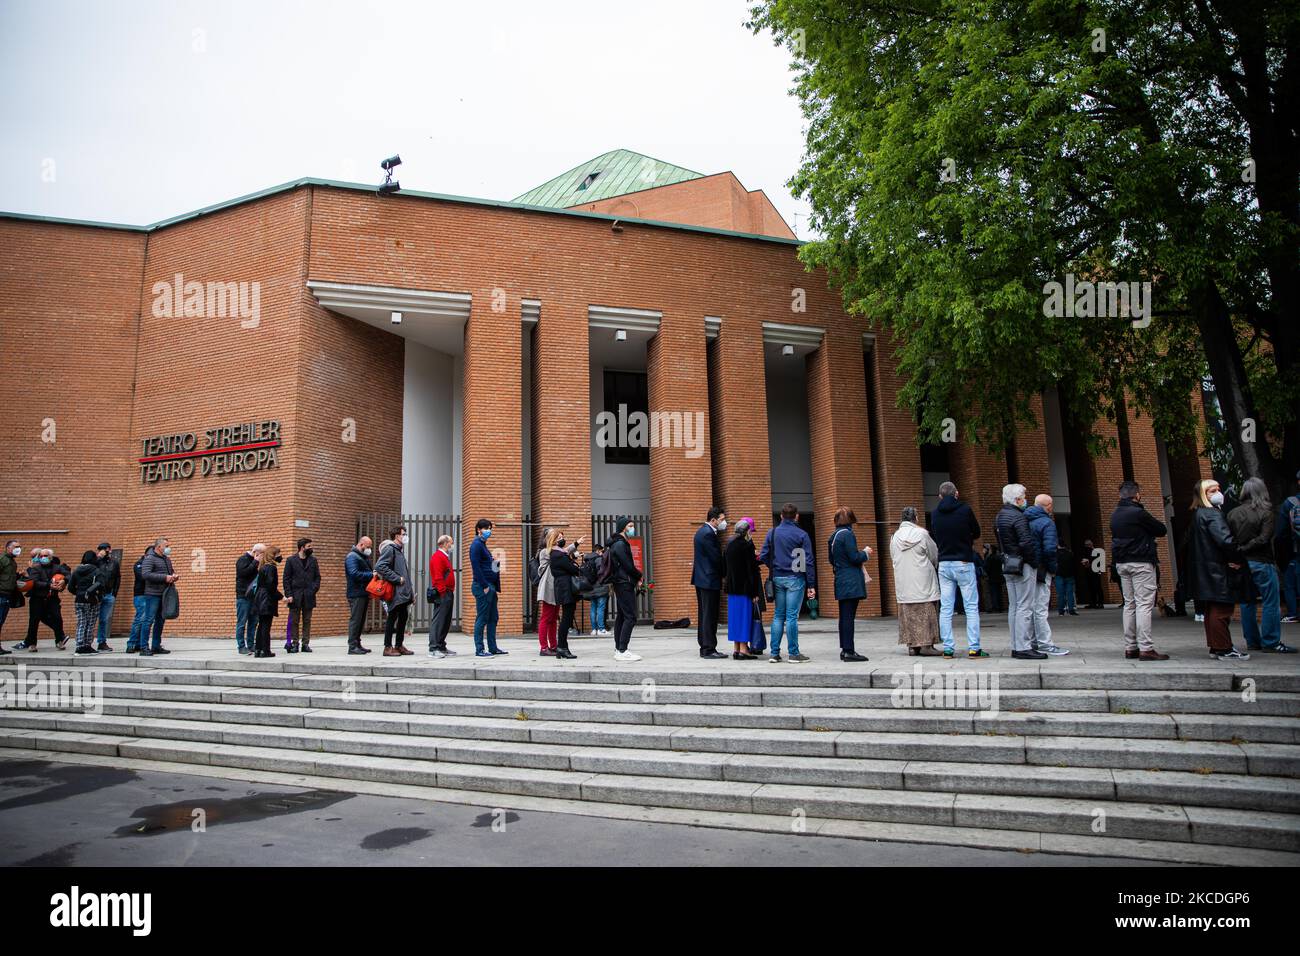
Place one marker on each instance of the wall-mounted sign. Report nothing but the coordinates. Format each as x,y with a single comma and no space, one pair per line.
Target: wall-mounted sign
224,450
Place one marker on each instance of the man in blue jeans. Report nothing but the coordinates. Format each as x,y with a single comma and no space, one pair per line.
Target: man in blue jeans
140,627
954,529
788,554
486,589
111,574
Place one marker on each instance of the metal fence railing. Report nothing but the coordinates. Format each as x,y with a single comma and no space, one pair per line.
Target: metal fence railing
423,532
602,529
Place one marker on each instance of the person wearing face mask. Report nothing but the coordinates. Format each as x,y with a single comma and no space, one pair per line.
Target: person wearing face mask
158,574
624,578
246,621
706,577
392,567
9,594
301,582
486,588
565,575
43,606
442,582
548,612
1251,523
266,599
1020,559
111,572
1215,564
356,568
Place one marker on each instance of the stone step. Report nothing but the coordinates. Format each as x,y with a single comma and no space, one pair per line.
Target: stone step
674,734
1135,821
1218,790
796,708
1061,674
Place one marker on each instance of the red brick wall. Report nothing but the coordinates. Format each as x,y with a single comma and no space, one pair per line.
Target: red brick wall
69,301
1031,454
718,202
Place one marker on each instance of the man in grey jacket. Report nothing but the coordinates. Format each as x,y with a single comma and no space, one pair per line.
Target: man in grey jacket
158,574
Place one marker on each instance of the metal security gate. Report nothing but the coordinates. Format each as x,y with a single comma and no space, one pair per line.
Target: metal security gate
422,532
602,529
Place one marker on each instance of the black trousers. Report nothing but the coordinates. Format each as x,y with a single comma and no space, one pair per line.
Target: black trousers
566,623
625,603
47,611
707,602
357,619
396,624
263,642
848,611
441,623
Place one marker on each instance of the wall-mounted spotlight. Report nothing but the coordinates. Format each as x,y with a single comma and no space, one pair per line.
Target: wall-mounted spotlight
397,318
616,226
787,350
389,185
620,335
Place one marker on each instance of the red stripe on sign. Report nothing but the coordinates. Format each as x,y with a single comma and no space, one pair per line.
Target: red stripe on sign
210,451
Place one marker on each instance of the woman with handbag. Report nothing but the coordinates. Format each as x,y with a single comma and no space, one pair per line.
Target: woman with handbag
849,564
266,599
744,585
915,558
1216,569
392,567
565,575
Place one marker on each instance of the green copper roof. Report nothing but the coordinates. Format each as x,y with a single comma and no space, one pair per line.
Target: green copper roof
610,174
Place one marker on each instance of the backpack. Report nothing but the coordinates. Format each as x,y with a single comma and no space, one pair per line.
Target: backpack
606,573
535,570
1295,516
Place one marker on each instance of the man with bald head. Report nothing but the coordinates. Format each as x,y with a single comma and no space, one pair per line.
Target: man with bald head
1042,524
359,569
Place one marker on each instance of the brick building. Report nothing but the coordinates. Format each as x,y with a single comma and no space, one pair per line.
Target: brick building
236,375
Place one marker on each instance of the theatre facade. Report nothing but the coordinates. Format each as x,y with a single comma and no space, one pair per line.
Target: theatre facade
319,360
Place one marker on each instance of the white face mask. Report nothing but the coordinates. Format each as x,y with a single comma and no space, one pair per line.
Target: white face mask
1216,499
722,525
17,552
167,550
367,552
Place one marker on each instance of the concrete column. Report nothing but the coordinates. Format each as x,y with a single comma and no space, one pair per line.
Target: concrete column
561,418
898,469
681,480
840,440
492,451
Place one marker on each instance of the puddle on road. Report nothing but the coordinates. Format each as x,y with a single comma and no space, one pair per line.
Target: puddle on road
487,819
164,817
397,836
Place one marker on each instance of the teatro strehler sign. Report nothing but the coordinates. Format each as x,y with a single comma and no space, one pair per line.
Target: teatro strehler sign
225,450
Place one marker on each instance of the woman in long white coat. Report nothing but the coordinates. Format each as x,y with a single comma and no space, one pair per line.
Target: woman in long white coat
915,557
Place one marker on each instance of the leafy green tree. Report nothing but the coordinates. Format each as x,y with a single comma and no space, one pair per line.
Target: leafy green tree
963,154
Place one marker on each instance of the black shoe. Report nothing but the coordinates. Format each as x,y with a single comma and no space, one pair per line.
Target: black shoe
1279,648
162,650
265,654
853,656
133,650
104,649
1029,655
742,656
84,649
547,652
146,653
291,648
565,654
712,656
499,652
357,650
1074,613
305,649
3,651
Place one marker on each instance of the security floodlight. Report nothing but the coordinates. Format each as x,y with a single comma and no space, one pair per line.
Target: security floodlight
620,335
616,226
389,185
787,350
397,318
388,164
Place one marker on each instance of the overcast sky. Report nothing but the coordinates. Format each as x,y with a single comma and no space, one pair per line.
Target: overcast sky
138,111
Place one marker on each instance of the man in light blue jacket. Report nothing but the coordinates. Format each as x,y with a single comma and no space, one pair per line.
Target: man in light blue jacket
1043,527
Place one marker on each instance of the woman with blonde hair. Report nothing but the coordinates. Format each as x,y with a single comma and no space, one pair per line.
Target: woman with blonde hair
915,557
548,618
1214,565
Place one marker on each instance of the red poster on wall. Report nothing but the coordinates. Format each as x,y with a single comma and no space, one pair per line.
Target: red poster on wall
636,553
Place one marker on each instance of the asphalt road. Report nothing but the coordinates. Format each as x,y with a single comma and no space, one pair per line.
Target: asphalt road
63,814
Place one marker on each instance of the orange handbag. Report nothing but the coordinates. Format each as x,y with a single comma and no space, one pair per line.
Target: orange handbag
379,588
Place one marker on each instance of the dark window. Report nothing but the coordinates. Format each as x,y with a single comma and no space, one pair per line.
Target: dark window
591,178
627,389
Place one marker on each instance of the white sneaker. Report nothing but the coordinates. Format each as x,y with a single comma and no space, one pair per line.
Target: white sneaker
1200,619
436,653
1054,651
626,656
607,633
596,633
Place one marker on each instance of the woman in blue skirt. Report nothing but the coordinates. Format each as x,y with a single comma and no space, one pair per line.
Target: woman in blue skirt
744,588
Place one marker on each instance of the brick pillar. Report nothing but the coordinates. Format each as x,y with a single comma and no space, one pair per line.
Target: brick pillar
979,476
1146,472
1035,470
899,468
1109,472
840,439
681,486
492,450
742,472
561,419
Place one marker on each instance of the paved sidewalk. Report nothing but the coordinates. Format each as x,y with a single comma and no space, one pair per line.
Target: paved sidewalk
1094,639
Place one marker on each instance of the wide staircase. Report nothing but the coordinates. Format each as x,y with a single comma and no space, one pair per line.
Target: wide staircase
1134,761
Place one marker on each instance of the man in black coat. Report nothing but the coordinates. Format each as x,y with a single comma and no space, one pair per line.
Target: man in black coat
1019,545
1133,555
111,574
624,580
301,582
245,619
706,576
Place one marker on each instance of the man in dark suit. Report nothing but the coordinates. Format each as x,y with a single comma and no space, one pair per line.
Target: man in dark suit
706,576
